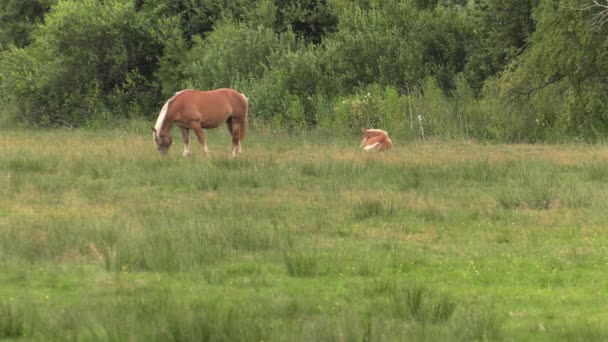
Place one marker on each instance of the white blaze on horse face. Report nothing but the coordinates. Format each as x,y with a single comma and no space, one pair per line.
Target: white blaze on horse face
161,116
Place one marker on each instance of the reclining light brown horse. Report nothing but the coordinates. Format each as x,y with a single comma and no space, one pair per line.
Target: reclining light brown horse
197,110
375,140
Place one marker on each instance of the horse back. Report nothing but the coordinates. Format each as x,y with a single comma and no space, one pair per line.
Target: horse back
226,96
211,107
370,133
376,140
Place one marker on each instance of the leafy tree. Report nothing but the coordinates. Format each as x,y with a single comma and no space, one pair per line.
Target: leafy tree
501,32
233,53
440,37
398,45
90,58
264,14
366,47
309,19
197,17
567,58
19,18
431,4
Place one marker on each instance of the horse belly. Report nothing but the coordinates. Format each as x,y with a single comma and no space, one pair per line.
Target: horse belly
206,119
213,119
213,114
206,125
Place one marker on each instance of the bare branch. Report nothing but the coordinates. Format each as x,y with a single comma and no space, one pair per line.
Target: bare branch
595,4
552,80
600,18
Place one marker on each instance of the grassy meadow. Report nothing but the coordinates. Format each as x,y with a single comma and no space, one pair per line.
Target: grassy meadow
302,238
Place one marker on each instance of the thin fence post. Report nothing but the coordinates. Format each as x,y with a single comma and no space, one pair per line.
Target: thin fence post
420,119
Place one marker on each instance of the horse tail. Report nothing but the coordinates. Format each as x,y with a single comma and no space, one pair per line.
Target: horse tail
243,131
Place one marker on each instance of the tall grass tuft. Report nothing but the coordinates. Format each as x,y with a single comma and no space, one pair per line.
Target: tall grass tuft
535,185
422,305
370,207
476,322
597,172
301,264
12,321
29,163
189,245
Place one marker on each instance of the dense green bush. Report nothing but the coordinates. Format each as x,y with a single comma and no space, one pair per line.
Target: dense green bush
300,75
397,45
233,53
88,60
368,48
529,70
19,18
196,17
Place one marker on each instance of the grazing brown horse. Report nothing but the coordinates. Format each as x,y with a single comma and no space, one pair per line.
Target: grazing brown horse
376,140
196,110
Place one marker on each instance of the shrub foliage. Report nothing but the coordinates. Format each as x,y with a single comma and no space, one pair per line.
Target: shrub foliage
442,66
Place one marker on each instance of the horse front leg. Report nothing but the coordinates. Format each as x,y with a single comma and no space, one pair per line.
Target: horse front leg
186,137
201,138
362,144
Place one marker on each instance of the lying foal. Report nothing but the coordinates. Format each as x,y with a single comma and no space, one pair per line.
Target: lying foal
376,140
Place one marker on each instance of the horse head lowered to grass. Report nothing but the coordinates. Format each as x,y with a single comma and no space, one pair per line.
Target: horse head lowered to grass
196,110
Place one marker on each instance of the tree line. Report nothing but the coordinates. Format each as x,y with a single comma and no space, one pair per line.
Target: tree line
519,70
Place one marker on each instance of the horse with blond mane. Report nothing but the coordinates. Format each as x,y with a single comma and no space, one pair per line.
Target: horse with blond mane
198,110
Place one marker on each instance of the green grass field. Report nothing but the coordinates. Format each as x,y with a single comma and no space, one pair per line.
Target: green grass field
302,238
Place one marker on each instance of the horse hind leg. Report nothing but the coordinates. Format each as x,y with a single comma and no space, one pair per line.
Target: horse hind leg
236,142
235,131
